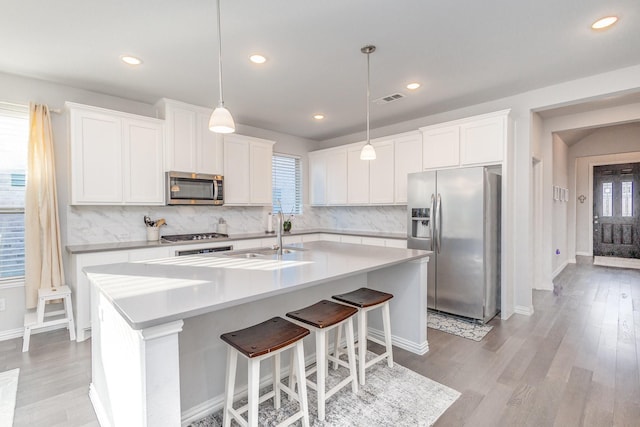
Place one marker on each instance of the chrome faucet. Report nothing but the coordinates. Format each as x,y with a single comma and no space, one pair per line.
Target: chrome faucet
279,233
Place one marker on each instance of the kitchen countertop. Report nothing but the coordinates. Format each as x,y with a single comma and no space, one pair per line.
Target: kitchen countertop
115,246
155,292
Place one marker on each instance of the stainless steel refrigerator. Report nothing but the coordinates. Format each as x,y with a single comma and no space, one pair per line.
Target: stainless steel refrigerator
456,214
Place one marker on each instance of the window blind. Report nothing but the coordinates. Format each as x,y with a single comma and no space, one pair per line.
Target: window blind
14,128
287,184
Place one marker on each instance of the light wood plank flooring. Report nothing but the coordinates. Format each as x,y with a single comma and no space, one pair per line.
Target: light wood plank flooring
574,362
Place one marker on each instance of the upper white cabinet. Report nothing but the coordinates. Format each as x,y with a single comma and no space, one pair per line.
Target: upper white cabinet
408,159
190,146
116,158
357,177
381,173
478,140
336,177
318,178
247,170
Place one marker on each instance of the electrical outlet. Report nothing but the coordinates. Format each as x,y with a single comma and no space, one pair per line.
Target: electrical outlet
3,305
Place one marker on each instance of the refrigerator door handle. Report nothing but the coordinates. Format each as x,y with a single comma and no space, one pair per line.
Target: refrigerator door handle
439,223
432,221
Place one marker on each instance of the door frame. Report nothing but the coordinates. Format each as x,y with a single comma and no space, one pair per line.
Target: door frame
629,158
537,220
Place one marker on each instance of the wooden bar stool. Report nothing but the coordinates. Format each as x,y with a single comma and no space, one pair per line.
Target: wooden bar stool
322,317
365,300
37,320
256,343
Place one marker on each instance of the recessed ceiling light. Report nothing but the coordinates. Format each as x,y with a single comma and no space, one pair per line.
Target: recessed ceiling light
413,86
257,59
605,22
131,60
318,116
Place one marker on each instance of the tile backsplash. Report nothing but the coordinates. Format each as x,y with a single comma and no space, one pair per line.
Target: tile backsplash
108,224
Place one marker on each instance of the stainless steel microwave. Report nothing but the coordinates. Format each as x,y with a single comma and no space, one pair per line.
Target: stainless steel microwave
184,188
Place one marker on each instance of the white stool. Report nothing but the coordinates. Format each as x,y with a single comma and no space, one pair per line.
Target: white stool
322,317
37,320
256,343
365,300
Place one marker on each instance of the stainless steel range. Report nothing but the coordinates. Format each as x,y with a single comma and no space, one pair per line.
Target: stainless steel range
174,238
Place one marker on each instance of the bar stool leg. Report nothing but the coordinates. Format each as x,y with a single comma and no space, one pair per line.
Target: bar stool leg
321,370
386,324
230,382
352,356
276,381
298,368
362,344
336,347
254,391
26,338
69,312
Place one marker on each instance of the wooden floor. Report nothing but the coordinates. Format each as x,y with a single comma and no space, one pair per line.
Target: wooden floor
574,362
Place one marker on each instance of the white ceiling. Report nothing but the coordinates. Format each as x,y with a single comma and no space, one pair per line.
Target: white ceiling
463,52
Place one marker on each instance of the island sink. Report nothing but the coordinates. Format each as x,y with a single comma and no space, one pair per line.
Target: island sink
260,252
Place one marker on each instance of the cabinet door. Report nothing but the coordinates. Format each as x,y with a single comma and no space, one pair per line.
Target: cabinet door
482,141
381,174
181,139
208,148
143,158
357,177
318,179
96,158
337,177
260,160
236,170
408,159
441,147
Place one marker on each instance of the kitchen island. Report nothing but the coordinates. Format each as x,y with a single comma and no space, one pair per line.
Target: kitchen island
156,354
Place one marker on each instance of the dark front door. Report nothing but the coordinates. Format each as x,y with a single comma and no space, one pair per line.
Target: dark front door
616,210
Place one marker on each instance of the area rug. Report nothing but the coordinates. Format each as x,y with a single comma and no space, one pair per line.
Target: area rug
391,397
8,391
456,326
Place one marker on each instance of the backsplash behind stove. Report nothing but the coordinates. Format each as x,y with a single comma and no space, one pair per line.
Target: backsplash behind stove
109,224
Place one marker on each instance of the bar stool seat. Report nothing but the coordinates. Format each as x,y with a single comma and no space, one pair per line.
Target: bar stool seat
38,319
256,343
365,300
322,317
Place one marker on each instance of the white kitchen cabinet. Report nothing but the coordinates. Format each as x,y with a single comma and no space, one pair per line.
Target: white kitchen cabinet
408,159
116,158
441,147
329,237
190,146
381,173
247,170
357,177
477,140
337,177
318,178
372,241
150,253
311,237
482,141
396,243
351,239
291,239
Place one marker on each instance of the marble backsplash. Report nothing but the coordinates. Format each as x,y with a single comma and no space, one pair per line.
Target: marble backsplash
109,224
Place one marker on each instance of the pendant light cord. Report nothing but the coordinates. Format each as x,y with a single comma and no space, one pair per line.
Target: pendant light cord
221,104
368,97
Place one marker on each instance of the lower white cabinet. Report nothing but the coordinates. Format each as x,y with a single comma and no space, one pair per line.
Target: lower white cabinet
247,170
116,158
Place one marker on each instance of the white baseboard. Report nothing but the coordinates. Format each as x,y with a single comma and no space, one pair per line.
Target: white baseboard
560,268
521,309
402,343
583,254
608,261
11,334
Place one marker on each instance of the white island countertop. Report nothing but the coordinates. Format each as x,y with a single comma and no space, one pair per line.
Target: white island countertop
156,292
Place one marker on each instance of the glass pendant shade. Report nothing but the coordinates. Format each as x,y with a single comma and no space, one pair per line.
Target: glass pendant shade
221,121
368,152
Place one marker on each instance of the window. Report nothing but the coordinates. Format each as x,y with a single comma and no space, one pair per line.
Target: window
287,184
607,198
14,136
627,198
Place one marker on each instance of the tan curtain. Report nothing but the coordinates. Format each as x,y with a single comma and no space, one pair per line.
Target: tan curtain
43,258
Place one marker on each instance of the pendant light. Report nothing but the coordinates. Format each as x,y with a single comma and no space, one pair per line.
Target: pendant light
368,152
221,120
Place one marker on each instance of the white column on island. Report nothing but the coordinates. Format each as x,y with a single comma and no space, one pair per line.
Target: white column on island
137,381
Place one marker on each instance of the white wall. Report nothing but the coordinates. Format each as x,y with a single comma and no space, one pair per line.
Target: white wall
559,225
